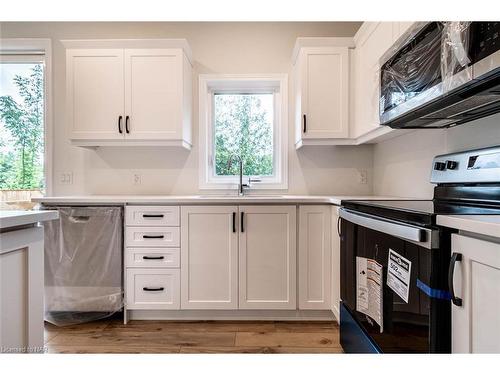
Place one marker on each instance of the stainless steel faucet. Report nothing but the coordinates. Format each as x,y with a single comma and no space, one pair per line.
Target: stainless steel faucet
241,185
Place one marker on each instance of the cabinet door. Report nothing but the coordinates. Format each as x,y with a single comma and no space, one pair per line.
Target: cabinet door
315,257
335,230
94,89
374,42
209,257
153,93
324,79
476,324
267,261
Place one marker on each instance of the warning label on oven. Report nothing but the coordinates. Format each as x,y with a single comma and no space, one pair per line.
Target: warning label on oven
369,289
398,274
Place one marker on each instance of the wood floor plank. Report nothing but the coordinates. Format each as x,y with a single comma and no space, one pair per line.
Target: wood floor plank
146,339
284,339
71,349
259,350
306,327
182,326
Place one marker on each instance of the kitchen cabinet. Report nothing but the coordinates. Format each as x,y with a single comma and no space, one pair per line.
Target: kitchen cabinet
267,257
209,257
372,40
21,290
476,323
315,257
321,94
129,96
335,230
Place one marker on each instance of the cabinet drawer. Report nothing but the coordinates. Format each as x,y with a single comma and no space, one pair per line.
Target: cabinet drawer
153,289
151,257
153,216
152,237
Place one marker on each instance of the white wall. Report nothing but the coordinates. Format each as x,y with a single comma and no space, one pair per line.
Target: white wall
402,165
217,48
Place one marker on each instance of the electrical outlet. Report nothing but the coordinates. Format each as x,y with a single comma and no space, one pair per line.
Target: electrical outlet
363,177
137,179
66,178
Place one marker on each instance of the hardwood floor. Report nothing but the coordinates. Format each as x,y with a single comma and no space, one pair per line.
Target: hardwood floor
112,336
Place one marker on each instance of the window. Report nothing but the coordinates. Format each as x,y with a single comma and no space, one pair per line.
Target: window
22,128
243,117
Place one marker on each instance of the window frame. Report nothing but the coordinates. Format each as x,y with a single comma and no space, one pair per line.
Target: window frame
209,85
32,50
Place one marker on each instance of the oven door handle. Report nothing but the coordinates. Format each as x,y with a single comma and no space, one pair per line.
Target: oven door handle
391,227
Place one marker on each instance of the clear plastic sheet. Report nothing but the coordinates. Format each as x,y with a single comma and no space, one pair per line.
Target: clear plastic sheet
83,264
428,69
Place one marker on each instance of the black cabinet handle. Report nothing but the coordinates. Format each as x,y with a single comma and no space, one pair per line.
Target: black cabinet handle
241,222
151,236
153,258
305,122
455,257
152,215
338,226
234,222
126,124
147,289
120,124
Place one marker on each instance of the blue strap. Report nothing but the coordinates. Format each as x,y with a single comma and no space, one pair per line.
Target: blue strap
433,293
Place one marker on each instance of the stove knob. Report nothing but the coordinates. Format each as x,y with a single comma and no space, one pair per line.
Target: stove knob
439,166
451,164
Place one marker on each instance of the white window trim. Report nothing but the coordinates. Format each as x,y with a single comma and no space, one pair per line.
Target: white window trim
41,46
208,83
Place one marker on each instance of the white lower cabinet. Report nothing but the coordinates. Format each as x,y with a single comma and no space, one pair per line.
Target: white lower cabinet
315,257
267,264
209,257
153,289
476,323
335,231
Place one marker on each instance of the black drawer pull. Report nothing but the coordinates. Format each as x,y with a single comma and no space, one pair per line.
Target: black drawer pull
147,289
241,222
153,215
305,123
455,257
153,258
120,124
127,118
151,236
234,222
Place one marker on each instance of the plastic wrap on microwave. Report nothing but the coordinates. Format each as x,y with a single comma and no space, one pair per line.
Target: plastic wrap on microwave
409,69
455,59
83,265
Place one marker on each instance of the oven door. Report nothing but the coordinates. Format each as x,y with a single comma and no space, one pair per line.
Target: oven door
416,323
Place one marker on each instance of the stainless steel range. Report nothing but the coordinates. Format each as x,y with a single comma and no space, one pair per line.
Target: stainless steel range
396,266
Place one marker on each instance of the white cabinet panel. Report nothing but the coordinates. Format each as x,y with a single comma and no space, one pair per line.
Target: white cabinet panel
153,289
209,257
335,263
267,262
476,324
325,91
153,216
95,93
152,236
152,257
153,92
315,257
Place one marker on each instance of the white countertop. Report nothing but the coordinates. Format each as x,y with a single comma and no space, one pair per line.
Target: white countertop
14,218
488,225
201,199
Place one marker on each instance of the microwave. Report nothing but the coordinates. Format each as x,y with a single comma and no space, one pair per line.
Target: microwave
441,74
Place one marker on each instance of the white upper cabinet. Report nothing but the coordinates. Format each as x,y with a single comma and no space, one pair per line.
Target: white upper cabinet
321,84
267,257
95,93
129,96
373,40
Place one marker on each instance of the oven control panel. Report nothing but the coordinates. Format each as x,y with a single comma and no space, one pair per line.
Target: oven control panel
476,166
